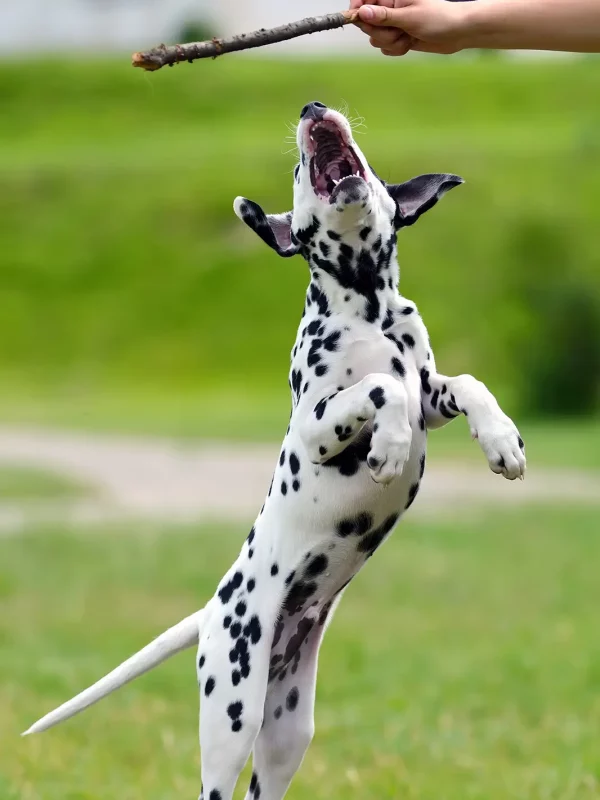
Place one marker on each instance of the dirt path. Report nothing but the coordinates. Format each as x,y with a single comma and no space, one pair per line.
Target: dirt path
165,481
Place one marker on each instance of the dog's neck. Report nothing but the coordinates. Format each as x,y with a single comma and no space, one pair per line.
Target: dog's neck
353,276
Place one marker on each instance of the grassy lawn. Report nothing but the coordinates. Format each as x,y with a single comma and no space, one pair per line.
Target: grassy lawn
463,663
24,484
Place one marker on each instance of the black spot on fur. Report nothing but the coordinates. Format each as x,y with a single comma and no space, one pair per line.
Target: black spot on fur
250,585
335,237
377,397
201,661
317,566
298,595
282,458
304,235
322,451
412,493
371,541
226,591
253,630
422,470
291,701
254,786
388,321
227,622
234,710
425,380
235,630
321,370
445,413
407,310
240,609
214,795
434,398
408,340
320,410
331,342
397,342
283,488
236,726
274,569
294,463
209,686
365,233
296,383
358,525
296,485
348,462
278,712
293,646
398,367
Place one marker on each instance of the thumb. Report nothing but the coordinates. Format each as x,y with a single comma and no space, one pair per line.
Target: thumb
379,15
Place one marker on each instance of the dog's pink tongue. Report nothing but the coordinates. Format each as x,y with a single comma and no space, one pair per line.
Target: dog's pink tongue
334,171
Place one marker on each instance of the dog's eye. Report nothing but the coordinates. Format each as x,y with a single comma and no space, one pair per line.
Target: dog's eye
296,171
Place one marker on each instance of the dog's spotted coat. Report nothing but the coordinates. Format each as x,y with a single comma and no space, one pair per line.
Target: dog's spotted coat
365,390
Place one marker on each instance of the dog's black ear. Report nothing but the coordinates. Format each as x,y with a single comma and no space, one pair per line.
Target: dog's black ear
274,229
418,195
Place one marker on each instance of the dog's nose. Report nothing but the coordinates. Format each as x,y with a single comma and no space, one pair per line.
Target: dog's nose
313,111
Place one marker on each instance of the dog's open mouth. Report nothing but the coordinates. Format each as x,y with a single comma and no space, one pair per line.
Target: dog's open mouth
333,160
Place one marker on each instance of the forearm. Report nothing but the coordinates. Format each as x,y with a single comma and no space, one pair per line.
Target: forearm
569,25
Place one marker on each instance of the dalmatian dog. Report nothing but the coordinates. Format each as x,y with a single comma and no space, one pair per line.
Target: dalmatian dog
365,391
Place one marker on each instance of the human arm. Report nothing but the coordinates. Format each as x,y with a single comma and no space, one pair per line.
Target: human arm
438,26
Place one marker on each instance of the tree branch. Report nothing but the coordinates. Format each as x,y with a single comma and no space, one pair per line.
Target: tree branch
163,55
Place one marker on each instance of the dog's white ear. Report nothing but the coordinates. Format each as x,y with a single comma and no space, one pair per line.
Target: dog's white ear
418,195
274,229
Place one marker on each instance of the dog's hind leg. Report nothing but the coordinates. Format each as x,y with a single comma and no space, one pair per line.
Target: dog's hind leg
233,671
288,726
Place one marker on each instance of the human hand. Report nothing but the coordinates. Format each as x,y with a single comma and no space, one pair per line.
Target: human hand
430,26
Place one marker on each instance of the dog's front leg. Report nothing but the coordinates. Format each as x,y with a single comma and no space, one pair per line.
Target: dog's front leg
335,422
445,398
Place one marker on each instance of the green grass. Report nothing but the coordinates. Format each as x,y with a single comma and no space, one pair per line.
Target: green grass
463,663
26,484
122,261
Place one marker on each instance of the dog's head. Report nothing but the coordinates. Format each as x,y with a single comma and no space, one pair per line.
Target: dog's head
336,190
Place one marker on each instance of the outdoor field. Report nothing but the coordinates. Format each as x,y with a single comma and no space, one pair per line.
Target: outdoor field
144,347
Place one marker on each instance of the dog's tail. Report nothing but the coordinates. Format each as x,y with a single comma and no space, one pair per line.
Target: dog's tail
180,637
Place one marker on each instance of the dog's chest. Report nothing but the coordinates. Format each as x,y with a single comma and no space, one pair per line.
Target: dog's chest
332,353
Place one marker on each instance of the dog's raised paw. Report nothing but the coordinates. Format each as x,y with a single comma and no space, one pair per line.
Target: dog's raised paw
387,457
504,448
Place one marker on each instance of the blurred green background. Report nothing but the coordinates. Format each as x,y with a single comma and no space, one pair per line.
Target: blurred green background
463,664
127,280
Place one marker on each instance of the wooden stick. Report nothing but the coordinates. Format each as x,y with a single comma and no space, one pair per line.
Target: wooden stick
163,55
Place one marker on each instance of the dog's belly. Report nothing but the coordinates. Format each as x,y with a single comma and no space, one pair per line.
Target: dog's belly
335,523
